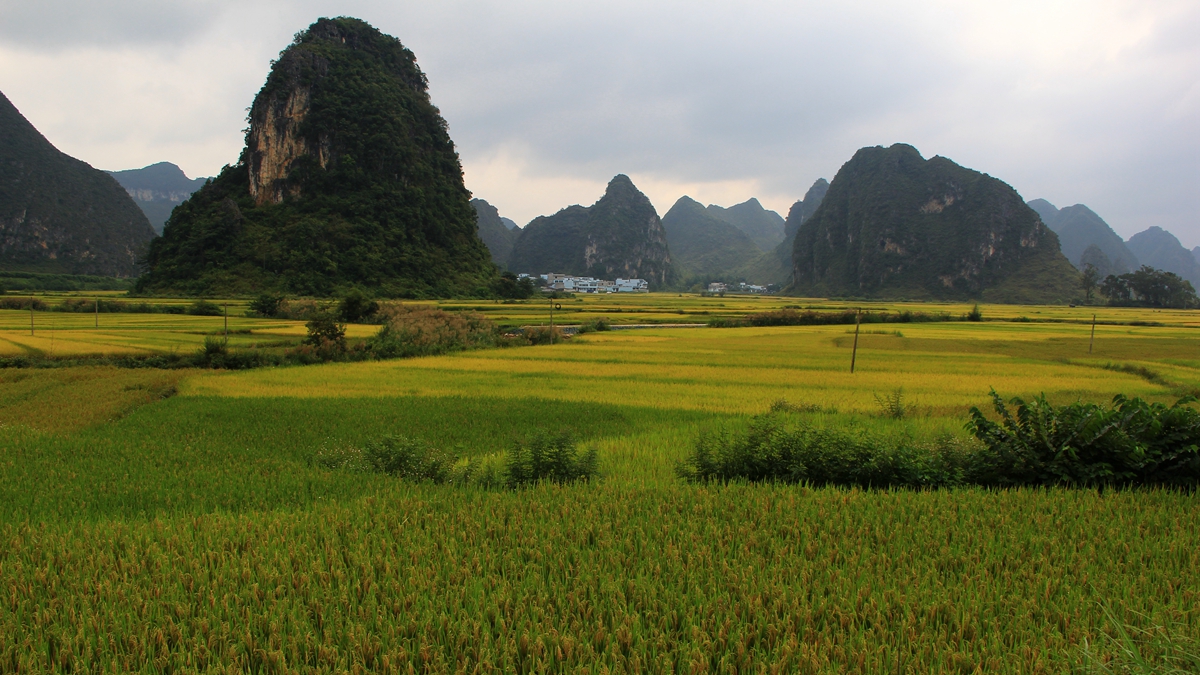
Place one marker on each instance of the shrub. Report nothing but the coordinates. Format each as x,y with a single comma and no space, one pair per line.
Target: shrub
549,458
356,306
204,308
1132,443
975,314
17,302
267,305
327,336
892,405
775,452
410,458
416,330
594,326
543,335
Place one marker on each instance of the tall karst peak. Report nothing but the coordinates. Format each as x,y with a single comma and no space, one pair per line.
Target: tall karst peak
894,224
348,178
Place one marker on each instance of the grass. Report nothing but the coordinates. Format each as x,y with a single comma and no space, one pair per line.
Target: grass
194,532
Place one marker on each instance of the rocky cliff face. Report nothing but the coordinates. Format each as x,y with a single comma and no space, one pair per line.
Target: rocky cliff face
620,235
494,233
775,266
58,214
348,178
703,245
895,224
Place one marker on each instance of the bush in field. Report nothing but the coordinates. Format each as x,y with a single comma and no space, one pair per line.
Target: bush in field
204,308
17,302
267,305
409,458
773,451
1131,443
543,335
594,326
356,307
327,336
549,458
417,330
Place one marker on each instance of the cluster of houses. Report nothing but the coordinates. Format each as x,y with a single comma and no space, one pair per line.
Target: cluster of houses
718,288
572,284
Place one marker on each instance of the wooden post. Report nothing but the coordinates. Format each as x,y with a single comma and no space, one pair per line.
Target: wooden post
226,322
31,315
1093,340
854,352
552,320
97,312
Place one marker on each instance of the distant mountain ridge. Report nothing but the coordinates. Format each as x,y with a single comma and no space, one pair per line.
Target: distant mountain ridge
1160,249
57,213
703,244
763,227
1078,228
158,189
620,235
775,266
894,224
492,230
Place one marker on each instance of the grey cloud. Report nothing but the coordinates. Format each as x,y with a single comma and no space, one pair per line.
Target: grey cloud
64,24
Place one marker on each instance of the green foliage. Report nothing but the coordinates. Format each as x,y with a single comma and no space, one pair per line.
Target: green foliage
775,451
975,314
32,281
893,405
597,325
18,302
204,308
544,335
508,286
1088,281
1148,287
327,335
554,459
356,306
385,209
267,305
703,244
409,458
419,330
1132,443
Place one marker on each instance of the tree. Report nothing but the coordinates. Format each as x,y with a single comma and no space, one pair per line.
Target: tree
266,304
356,306
1150,287
1089,280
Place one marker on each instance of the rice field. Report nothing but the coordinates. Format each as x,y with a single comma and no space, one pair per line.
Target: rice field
174,521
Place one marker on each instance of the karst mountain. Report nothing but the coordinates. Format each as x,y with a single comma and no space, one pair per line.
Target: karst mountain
894,224
348,178
620,236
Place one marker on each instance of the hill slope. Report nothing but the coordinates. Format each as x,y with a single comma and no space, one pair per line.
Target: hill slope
702,244
58,214
775,266
1161,250
157,189
896,225
765,228
492,230
618,236
348,178
1078,228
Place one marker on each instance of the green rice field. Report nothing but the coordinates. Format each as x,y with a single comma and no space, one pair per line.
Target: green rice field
175,521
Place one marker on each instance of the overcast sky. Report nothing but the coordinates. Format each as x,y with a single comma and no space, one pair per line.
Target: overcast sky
1094,102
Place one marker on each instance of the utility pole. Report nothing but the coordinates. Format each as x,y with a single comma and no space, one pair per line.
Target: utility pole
31,315
97,312
226,322
854,352
1093,340
551,319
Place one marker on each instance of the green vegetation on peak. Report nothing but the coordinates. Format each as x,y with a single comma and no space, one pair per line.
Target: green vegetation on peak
58,215
620,235
348,179
702,244
764,227
894,224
